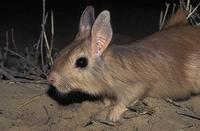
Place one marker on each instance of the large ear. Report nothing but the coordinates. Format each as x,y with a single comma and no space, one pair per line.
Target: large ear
101,34
87,19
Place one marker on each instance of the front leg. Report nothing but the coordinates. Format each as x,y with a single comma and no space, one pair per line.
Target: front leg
118,109
107,102
123,99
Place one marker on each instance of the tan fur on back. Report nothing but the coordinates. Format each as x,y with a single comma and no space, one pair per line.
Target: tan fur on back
161,64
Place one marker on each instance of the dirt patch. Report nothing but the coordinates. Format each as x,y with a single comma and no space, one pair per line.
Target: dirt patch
28,107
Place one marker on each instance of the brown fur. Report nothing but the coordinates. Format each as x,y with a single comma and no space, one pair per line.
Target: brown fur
165,64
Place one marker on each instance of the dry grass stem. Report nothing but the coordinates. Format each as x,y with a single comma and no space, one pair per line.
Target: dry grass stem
173,9
188,5
47,113
13,40
48,49
52,31
7,46
1,55
9,76
163,16
30,101
27,81
42,57
30,63
191,12
194,116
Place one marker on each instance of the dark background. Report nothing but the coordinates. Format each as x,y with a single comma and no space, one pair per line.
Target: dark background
134,18
65,5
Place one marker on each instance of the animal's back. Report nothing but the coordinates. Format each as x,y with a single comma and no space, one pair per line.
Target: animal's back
168,62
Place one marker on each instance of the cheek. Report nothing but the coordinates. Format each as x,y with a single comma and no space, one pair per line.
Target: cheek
61,89
81,79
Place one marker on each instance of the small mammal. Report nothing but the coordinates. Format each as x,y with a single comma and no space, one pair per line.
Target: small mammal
165,64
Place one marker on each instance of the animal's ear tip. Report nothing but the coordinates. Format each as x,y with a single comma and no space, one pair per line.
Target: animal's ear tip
90,7
106,13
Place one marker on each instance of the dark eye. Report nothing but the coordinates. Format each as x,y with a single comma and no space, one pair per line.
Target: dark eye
81,62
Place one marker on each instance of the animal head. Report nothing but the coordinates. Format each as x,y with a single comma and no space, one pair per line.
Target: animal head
79,66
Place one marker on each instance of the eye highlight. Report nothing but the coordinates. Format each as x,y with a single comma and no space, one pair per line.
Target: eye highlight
81,62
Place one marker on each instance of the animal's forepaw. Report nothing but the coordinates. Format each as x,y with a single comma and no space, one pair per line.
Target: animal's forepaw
116,113
114,116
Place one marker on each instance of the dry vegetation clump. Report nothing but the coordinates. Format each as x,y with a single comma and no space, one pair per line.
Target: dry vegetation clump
32,65
193,16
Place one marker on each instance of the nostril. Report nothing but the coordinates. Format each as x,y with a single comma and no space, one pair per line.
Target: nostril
51,78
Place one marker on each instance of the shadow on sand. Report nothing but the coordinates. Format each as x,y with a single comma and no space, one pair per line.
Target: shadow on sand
71,97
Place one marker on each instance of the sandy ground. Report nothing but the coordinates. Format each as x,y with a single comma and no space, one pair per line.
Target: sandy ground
30,107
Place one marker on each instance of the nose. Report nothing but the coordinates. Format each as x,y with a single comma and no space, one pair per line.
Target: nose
52,77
